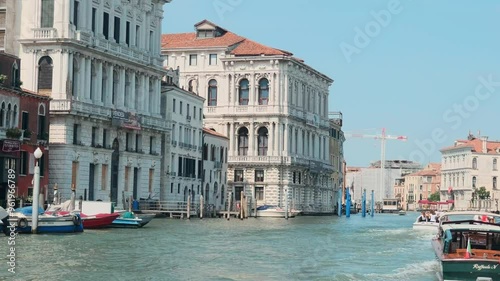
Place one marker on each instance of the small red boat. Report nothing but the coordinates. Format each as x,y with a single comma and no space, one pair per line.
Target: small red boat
98,220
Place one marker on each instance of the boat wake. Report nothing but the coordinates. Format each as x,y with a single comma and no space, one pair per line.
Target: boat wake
408,273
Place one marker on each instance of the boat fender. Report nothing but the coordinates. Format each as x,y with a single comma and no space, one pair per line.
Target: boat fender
77,220
22,222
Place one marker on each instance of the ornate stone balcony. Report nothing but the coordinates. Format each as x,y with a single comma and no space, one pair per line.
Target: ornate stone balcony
44,33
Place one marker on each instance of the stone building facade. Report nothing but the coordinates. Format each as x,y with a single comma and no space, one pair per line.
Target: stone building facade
214,177
273,108
468,165
182,146
100,63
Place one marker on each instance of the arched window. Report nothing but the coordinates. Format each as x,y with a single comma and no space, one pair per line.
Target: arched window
494,182
216,189
114,93
474,163
263,91
473,182
42,123
76,72
212,93
15,75
243,92
2,115
262,141
93,76
190,86
104,84
495,164
243,141
47,15
207,192
14,116
8,117
222,195
212,153
45,75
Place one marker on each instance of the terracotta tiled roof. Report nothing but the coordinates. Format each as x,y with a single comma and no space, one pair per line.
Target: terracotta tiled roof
214,133
476,145
189,40
240,46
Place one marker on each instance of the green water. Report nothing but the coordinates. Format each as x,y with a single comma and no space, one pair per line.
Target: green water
303,248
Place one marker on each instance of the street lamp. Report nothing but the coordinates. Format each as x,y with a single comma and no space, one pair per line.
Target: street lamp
36,191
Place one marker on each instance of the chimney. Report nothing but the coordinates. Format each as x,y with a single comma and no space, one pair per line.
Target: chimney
484,141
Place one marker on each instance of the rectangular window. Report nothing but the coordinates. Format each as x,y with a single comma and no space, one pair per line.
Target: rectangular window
104,177
127,141
25,121
238,175
42,165
151,40
47,18
94,13
193,60
180,107
76,9
127,33
76,134
104,138
24,159
201,115
94,136
194,112
151,145
137,35
187,109
117,30
151,174
74,173
105,25
173,106
259,193
41,127
259,175
127,176
212,59
138,143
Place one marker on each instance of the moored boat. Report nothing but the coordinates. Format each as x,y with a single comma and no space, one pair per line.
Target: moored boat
467,246
402,212
131,220
275,212
98,220
47,223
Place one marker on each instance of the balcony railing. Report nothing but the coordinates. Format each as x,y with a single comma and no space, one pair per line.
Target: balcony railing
44,33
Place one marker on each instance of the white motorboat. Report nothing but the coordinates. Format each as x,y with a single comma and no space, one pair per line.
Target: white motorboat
275,212
425,225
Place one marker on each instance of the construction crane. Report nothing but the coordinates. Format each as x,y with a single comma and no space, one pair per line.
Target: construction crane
382,137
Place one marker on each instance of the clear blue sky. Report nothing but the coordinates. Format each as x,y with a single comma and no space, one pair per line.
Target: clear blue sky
409,78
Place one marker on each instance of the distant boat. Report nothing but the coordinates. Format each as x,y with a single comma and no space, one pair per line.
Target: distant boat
131,220
275,212
402,212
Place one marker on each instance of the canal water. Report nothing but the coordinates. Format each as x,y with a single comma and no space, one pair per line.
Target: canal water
303,248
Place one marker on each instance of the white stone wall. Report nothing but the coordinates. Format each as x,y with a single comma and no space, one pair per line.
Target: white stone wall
87,69
216,172
296,117
187,144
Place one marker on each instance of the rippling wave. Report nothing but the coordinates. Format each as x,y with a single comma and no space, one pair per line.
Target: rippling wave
303,248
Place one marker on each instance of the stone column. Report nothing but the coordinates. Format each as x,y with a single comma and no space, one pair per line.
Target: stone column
60,85
270,140
251,140
133,94
121,89
142,93
98,83
109,98
231,139
87,78
146,96
285,138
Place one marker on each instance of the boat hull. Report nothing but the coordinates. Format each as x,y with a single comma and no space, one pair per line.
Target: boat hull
275,214
50,225
99,220
470,269
427,226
